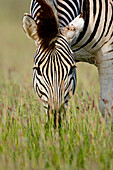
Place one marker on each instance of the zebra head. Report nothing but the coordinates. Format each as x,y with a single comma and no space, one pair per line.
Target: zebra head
54,76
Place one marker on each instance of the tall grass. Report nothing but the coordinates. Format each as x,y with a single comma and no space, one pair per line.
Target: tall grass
84,141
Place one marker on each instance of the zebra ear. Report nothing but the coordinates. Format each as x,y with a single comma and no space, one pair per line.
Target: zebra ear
44,16
73,29
30,27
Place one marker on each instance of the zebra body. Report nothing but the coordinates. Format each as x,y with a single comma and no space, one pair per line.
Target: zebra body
97,36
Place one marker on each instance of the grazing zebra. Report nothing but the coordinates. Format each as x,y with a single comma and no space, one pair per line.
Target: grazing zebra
54,75
87,25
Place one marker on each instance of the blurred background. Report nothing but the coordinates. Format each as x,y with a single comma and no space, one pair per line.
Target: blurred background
17,51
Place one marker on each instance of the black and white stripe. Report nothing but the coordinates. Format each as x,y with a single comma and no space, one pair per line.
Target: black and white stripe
97,35
54,76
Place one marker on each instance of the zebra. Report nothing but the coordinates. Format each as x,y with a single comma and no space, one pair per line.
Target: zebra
54,71
87,25
94,44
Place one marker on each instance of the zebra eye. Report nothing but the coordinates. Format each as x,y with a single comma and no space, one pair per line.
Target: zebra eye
38,70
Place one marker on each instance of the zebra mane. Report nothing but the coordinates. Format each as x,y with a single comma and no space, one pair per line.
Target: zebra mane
47,26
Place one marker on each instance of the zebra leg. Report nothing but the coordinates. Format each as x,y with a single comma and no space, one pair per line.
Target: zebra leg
105,69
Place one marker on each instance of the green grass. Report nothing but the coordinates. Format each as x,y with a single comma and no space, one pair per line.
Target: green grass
84,141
